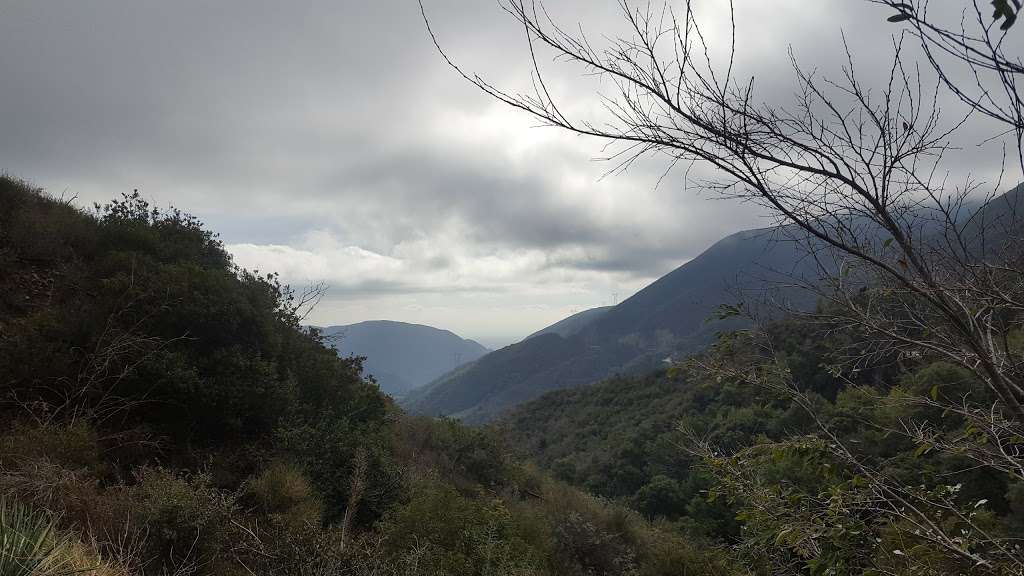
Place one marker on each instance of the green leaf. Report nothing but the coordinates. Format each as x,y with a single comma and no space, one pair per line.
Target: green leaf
1004,10
935,392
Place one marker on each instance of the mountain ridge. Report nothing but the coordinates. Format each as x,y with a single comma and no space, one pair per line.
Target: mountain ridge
403,356
672,316
572,324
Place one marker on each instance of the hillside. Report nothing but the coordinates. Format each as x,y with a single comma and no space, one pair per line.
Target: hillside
573,324
163,412
672,317
401,356
623,438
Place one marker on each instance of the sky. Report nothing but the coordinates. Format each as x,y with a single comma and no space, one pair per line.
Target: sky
328,141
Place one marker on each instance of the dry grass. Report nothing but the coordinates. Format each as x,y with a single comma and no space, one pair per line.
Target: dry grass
281,488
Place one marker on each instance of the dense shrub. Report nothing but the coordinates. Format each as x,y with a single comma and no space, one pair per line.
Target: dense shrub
282,491
459,535
186,518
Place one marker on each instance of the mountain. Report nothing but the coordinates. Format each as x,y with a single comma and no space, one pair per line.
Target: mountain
573,324
669,318
403,356
676,315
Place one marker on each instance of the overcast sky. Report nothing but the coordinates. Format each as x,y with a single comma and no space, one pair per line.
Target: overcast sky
327,140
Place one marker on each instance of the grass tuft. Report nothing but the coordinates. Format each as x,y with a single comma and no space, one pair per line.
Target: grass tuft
29,543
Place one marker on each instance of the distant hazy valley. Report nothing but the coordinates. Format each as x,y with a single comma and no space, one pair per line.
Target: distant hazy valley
402,357
672,318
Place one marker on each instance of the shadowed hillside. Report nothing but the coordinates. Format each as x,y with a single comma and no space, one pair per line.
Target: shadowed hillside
672,317
401,356
573,324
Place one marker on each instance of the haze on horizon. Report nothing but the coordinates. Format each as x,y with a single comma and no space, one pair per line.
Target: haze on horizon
328,141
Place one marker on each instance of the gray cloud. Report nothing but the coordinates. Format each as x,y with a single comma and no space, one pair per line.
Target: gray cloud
328,140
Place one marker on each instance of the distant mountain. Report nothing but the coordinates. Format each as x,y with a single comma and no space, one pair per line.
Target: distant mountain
403,356
573,324
673,316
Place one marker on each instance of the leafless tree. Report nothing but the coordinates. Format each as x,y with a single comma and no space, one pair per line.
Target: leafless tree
968,54
303,304
854,174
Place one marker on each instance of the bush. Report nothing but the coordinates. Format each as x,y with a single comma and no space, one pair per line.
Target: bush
72,446
187,519
589,550
37,228
283,491
458,535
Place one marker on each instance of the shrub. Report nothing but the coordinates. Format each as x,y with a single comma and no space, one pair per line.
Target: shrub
72,446
588,550
469,457
36,227
457,535
282,490
188,519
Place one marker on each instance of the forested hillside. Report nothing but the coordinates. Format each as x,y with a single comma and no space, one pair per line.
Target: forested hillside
164,412
633,440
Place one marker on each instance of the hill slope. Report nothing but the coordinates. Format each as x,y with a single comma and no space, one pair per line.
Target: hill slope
621,438
671,317
573,324
403,356
164,412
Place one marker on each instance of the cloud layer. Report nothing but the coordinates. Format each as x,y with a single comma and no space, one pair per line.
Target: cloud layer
328,141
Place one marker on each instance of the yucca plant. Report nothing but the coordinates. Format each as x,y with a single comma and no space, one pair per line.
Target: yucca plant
29,544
